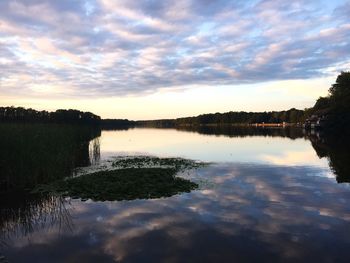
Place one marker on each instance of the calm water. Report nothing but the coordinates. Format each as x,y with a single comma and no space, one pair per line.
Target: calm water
270,195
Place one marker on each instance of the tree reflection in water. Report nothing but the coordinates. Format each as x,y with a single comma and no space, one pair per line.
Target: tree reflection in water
22,214
337,149
237,204
334,147
94,151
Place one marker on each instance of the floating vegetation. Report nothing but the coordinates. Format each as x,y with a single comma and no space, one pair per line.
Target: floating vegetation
122,184
178,164
139,177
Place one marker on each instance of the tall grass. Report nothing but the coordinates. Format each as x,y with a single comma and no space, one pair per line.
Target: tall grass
38,153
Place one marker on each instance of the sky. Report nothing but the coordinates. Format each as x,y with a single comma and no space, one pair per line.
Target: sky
150,59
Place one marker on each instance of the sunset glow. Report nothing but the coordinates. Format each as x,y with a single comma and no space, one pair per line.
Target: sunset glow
166,59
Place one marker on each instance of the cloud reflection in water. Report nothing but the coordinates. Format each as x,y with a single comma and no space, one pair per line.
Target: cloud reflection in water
242,212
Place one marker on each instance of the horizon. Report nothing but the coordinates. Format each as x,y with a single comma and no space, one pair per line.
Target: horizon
190,116
149,60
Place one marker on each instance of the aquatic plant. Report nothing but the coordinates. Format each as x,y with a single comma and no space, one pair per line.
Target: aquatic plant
131,177
122,184
32,154
178,164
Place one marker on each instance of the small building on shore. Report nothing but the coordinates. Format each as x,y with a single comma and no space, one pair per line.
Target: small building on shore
315,122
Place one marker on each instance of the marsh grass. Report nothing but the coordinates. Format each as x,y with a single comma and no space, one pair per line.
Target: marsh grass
32,154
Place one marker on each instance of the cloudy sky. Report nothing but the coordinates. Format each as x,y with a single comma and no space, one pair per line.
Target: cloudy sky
162,59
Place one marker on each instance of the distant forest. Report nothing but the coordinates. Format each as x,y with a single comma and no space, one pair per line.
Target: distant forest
111,124
242,117
19,114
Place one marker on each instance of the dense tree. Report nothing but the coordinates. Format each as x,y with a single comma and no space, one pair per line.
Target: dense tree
19,114
322,103
341,88
290,116
111,124
336,106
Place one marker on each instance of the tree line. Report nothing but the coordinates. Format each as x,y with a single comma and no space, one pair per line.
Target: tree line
20,114
290,116
110,124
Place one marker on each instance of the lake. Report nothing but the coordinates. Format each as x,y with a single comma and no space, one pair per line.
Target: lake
267,195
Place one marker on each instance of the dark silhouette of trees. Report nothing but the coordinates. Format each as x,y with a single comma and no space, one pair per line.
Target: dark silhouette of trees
335,147
234,131
75,116
19,114
336,106
111,124
290,116
341,88
322,103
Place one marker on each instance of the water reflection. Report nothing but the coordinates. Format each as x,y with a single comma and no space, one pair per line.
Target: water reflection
258,146
94,151
336,150
268,198
249,213
23,214
244,131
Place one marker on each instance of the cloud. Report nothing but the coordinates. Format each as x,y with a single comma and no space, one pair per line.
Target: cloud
109,48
